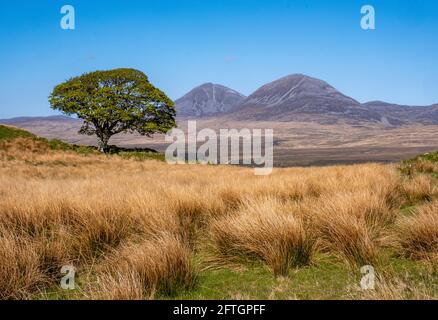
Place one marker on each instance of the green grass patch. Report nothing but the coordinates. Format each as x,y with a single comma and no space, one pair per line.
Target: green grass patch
141,155
56,144
10,133
430,157
328,279
408,210
424,163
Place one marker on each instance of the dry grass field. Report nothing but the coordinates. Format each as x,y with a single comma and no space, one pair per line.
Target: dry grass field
142,229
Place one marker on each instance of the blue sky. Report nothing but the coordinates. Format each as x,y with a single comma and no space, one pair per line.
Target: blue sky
242,44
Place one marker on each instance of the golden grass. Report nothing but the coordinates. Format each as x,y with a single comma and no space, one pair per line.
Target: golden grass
135,226
20,272
418,234
420,188
398,289
267,230
139,270
353,225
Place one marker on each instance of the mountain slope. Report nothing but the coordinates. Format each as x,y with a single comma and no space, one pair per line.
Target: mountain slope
294,88
208,99
427,116
412,114
301,98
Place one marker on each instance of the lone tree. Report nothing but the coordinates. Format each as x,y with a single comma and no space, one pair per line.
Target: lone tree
114,101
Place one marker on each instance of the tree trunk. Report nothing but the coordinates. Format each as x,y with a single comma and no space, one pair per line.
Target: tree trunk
103,144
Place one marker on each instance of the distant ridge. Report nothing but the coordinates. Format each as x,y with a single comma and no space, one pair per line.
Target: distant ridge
410,114
39,118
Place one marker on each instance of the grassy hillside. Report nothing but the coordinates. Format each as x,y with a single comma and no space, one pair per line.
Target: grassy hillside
144,229
425,163
12,136
9,133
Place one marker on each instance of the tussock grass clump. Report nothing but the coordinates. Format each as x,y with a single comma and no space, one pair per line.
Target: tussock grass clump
20,272
426,167
53,253
100,233
353,225
117,286
193,210
141,270
418,234
266,231
292,188
419,188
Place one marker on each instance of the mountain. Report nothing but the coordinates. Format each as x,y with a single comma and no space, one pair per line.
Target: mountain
299,97
428,116
408,114
207,100
295,88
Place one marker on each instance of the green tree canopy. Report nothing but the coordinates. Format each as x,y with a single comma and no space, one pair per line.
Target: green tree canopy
114,101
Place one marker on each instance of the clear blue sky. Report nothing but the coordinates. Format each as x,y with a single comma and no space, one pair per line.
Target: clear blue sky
239,43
